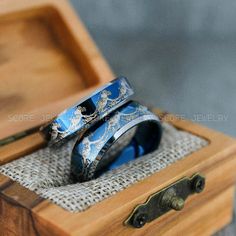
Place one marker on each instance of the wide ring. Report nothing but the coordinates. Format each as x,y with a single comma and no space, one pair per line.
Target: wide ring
89,153
80,117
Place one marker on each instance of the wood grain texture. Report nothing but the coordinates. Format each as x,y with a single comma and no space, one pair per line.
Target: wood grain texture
203,218
47,62
216,161
21,147
15,204
55,53
115,210
17,220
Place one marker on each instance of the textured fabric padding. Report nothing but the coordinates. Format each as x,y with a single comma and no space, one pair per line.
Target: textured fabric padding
47,171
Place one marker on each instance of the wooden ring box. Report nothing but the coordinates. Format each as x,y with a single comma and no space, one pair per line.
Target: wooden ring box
47,63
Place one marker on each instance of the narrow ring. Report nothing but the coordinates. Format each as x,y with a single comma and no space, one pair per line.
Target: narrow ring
80,117
89,152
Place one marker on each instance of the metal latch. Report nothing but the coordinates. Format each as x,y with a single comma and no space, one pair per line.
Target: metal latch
171,197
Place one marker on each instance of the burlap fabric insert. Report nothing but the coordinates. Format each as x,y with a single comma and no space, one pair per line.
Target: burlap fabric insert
47,171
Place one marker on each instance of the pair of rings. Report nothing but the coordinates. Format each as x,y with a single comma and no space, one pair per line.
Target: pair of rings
107,125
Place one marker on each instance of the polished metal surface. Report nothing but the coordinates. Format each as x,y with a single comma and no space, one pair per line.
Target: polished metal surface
80,117
89,154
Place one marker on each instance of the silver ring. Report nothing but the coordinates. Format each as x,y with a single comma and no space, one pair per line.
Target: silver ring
89,156
80,117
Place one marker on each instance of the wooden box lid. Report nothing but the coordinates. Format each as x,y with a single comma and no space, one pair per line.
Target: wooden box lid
47,62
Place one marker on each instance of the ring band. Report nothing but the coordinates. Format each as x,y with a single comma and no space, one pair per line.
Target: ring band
89,153
80,117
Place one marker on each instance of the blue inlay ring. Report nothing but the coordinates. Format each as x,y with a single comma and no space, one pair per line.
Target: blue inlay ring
89,157
80,117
